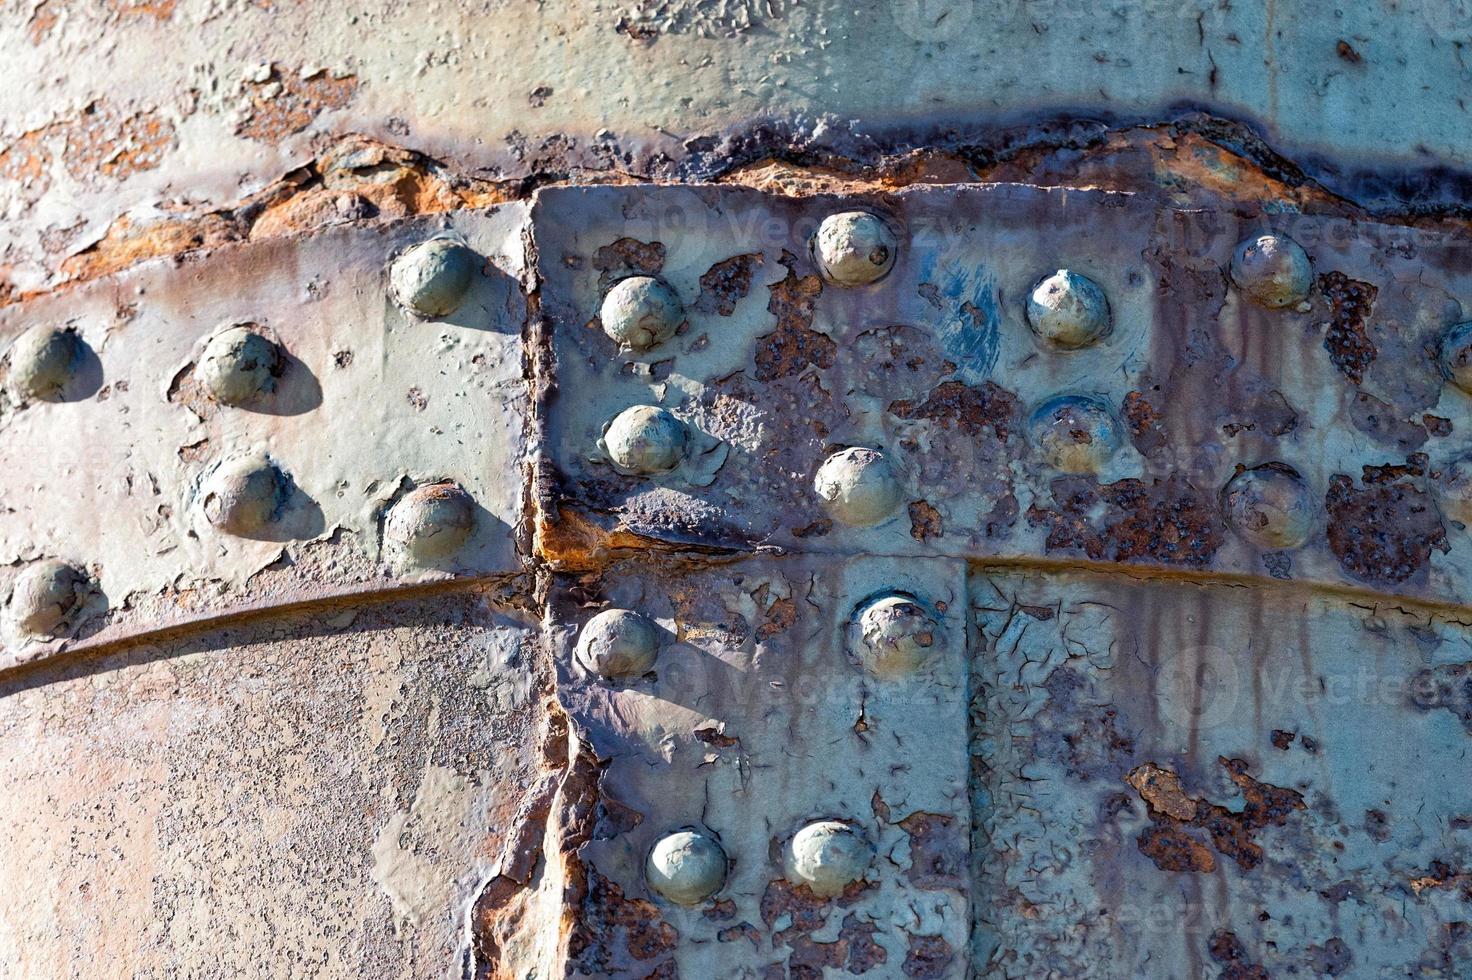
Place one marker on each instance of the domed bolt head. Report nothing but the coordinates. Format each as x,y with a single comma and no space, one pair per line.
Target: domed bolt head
686,867
1456,355
828,856
618,644
429,524
239,365
894,635
1068,311
857,486
641,312
45,595
646,440
42,361
854,248
1269,505
243,495
432,278
1075,433
1274,270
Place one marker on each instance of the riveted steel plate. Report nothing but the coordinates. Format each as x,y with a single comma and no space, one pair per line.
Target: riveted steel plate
935,365
370,402
757,719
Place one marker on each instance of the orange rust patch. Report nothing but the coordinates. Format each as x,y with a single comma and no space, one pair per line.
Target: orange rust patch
573,542
127,243
48,13
104,141
1169,841
286,103
356,179
101,141
25,161
1161,790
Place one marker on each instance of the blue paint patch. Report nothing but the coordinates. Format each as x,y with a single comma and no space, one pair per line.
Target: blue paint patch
970,325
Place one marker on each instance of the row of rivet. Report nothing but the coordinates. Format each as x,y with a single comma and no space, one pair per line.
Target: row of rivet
688,867
891,634
246,495
1065,310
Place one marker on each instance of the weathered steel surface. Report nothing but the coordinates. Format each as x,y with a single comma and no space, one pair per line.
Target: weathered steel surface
1181,779
758,718
936,367
109,149
115,475
846,511
1012,523
317,795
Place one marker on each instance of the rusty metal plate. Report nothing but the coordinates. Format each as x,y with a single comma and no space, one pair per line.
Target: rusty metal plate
114,472
1002,443
762,714
1178,779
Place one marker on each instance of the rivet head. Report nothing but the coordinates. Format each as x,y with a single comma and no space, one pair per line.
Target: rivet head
1075,433
42,361
432,278
1274,270
1269,505
895,635
45,595
1068,311
646,440
641,312
617,644
686,867
857,486
243,495
239,365
828,856
854,248
1455,355
429,524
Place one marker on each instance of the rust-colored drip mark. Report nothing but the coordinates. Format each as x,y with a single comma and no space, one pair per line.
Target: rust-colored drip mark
286,102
